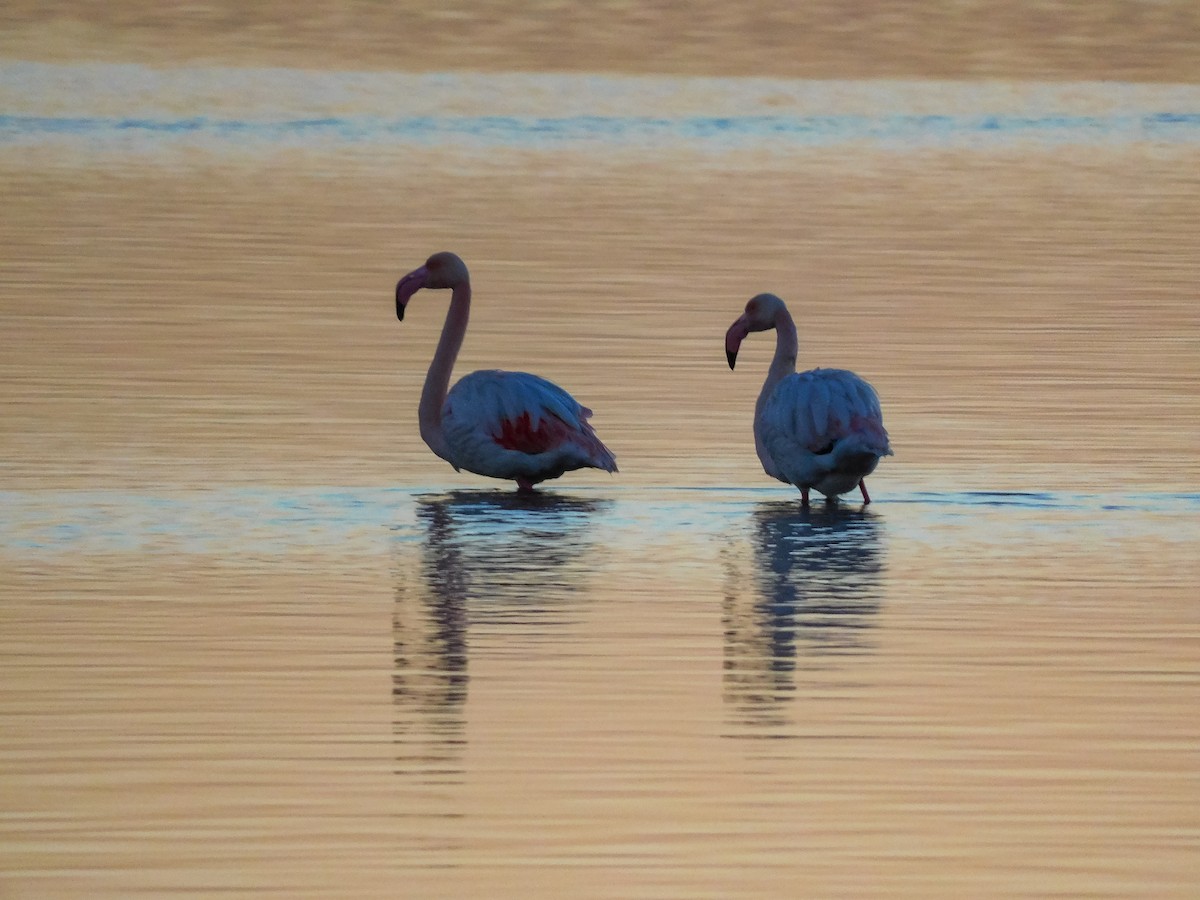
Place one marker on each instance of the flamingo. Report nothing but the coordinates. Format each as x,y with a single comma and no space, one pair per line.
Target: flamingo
509,425
819,430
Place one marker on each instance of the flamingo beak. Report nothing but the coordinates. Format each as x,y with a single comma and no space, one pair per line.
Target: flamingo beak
733,339
406,287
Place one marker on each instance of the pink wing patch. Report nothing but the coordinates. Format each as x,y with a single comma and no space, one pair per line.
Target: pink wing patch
520,435
869,427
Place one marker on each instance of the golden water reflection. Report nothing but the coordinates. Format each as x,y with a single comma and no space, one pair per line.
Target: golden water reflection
275,693
487,559
808,603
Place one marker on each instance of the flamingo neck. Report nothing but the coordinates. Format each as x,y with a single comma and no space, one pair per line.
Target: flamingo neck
437,381
787,347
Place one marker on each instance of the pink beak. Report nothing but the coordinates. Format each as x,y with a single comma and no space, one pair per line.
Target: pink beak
407,286
733,339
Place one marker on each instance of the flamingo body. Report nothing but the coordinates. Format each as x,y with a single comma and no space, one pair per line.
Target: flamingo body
519,426
509,425
819,430
823,430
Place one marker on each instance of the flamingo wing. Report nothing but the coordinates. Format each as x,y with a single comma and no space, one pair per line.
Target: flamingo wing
818,408
814,421
517,425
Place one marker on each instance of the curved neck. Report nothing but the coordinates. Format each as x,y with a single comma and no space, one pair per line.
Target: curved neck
782,365
787,347
437,381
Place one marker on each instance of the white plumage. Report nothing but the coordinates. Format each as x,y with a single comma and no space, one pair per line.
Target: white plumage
819,430
520,426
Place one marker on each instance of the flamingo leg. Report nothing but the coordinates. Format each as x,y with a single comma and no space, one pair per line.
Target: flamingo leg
862,486
525,486
804,498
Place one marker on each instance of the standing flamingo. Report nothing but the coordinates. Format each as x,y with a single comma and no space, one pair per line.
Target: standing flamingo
820,429
500,424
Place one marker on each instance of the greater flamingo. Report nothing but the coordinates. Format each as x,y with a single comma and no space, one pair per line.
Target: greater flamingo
510,425
819,430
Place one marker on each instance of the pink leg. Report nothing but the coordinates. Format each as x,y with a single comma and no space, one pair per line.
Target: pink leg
525,486
804,498
862,486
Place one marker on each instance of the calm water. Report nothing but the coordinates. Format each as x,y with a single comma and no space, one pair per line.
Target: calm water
130,109
256,640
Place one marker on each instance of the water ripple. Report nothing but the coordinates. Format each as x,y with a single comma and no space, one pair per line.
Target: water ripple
94,107
698,132
280,521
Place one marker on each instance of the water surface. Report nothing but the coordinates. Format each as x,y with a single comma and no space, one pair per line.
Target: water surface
257,640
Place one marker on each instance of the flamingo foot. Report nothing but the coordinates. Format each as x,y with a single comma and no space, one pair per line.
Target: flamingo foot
525,486
862,486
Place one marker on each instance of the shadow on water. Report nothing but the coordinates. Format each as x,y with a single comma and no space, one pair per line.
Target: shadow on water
487,560
809,600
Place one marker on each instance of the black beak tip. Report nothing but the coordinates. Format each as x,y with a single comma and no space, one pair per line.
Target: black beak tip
400,311
731,356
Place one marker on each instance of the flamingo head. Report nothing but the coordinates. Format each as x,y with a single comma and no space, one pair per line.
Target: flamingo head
442,270
761,313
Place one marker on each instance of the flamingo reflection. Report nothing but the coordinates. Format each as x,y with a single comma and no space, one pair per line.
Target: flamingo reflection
816,588
488,560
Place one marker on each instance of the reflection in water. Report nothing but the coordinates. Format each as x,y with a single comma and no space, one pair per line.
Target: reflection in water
488,558
516,557
429,682
816,587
